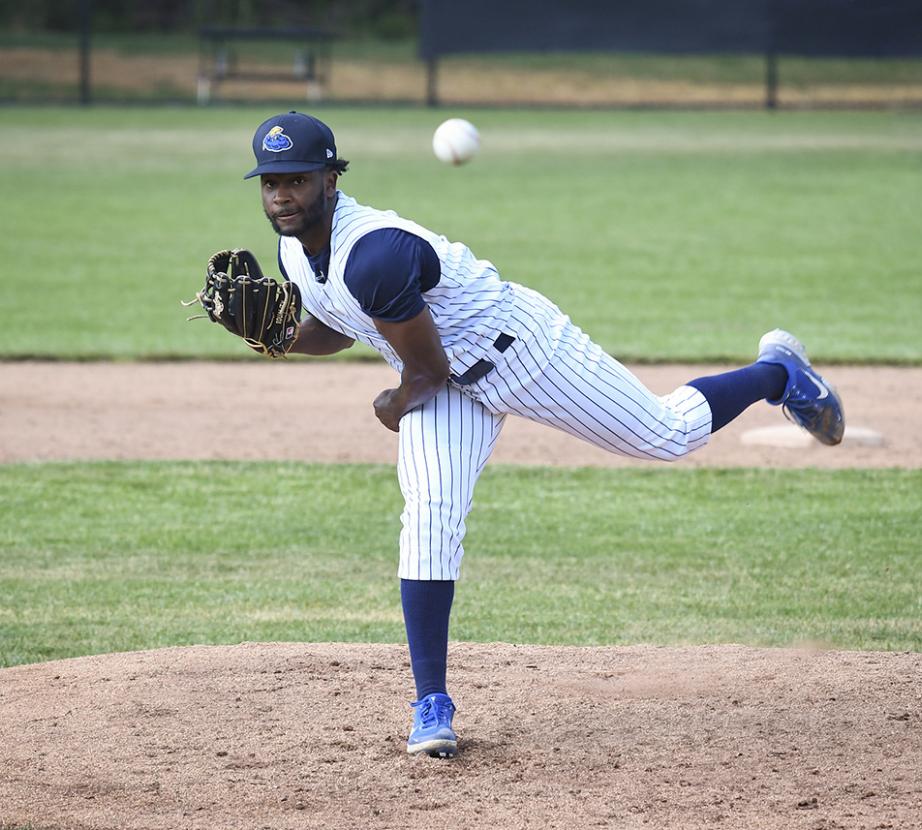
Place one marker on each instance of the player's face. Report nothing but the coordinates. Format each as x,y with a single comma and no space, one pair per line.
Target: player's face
296,203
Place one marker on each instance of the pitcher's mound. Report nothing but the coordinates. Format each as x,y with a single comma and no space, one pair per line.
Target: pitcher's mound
301,736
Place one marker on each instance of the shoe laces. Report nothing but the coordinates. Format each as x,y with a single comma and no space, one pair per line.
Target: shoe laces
432,710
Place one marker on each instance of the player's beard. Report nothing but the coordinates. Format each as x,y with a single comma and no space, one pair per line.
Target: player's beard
311,217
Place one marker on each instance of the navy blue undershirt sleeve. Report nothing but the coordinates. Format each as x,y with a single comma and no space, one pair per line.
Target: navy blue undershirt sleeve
387,272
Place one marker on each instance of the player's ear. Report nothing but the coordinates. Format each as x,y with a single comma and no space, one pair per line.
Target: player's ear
329,181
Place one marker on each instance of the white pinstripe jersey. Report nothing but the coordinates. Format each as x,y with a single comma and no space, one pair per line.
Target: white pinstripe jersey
551,373
470,305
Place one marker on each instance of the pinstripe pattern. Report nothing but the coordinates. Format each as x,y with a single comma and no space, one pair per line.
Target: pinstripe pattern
443,447
557,376
552,373
470,304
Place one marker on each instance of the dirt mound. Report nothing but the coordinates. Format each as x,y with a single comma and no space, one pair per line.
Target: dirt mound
304,735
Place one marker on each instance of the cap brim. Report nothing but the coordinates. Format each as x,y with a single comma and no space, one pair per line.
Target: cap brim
281,166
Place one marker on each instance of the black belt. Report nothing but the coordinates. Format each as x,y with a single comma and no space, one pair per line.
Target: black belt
482,367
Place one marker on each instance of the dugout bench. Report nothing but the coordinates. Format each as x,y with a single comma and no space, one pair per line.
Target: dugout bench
219,59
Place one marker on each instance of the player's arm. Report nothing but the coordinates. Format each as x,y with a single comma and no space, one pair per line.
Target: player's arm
387,272
316,338
425,366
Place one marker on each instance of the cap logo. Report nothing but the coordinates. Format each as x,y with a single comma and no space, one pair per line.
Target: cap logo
329,153
276,141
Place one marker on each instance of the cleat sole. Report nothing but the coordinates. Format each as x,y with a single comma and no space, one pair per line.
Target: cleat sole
434,749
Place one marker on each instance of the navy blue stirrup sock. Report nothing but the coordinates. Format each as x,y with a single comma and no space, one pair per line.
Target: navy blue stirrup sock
426,608
732,392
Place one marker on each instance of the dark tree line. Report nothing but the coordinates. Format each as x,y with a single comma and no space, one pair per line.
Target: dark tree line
382,18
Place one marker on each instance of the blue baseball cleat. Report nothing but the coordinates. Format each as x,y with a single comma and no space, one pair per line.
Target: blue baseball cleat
432,732
808,400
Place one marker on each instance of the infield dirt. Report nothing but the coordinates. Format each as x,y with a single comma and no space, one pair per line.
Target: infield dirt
321,411
303,736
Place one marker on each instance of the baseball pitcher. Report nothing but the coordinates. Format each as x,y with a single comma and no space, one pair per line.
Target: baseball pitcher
470,349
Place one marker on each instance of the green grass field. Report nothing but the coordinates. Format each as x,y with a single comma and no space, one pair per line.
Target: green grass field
667,236
110,557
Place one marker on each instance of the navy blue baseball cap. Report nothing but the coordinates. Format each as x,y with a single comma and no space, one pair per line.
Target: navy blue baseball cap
291,143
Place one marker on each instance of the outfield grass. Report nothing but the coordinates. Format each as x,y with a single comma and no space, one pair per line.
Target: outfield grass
105,557
665,235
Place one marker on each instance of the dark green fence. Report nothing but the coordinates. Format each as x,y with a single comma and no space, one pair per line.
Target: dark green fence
195,51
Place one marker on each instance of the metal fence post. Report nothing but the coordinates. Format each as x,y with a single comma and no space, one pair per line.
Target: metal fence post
86,28
771,79
432,94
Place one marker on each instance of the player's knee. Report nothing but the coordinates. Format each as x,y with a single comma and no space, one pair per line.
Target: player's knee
434,527
690,422
672,452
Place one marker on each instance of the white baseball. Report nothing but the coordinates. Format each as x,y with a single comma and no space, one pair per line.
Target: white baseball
455,141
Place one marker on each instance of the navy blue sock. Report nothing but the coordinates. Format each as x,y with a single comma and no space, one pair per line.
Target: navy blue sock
426,608
732,392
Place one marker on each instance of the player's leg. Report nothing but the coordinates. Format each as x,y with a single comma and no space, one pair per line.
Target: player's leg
444,445
568,382
571,383
729,394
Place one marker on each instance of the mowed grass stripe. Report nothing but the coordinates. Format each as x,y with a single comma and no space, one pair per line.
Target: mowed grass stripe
110,557
666,236
142,140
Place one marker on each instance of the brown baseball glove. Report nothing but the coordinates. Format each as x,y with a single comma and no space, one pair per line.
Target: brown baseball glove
237,295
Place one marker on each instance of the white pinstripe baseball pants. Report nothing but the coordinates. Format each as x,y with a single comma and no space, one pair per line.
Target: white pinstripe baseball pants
553,374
